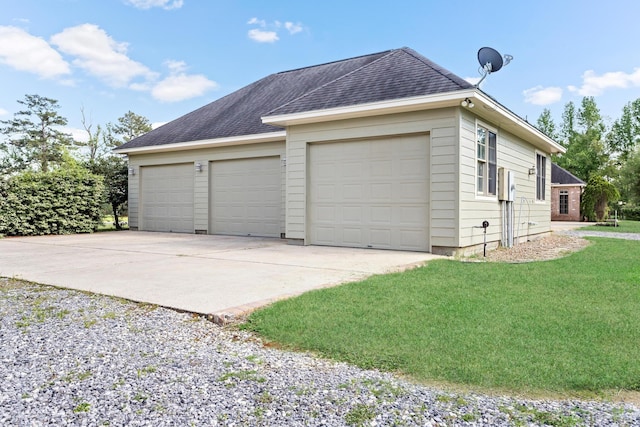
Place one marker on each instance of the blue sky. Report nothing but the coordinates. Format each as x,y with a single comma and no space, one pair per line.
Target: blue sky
164,58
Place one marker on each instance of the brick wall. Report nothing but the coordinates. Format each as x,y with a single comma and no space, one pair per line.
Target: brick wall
574,204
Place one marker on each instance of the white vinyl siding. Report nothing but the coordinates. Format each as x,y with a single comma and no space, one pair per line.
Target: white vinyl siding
246,197
371,193
513,154
440,128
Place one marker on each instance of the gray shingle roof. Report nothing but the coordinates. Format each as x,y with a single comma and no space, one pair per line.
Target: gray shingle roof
563,176
393,74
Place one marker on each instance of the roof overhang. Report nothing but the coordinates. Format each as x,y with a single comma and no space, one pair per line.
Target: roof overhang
556,184
485,107
206,143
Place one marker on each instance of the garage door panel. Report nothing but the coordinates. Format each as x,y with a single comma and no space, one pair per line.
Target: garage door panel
167,198
246,197
381,238
352,236
412,216
377,195
410,191
381,215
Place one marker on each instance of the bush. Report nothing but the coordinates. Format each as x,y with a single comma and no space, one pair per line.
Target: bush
64,201
631,213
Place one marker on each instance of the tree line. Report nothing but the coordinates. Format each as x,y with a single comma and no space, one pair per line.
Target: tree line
606,157
34,147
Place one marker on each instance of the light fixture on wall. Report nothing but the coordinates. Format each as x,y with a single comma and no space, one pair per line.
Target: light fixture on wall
532,170
132,171
467,103
198,167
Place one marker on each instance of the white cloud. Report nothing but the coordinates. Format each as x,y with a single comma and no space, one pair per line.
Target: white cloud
98,54
593,84
179,85
176,66
293,28
268,33
261,36
256,21
77,134
148,4
25,52
156,125
539,95
3,112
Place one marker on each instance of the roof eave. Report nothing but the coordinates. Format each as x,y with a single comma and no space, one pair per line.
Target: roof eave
557,184
206,143
485,107
441,100
506,119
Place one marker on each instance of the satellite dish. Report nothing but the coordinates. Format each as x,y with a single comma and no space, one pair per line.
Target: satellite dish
491,61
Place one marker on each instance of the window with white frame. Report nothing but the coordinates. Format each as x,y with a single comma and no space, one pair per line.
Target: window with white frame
564,202
486,158
541,174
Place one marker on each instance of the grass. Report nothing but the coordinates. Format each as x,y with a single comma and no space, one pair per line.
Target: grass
108,223
566,325
625,226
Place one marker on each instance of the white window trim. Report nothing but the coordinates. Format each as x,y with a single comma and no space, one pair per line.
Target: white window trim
479,123
560,194
547,165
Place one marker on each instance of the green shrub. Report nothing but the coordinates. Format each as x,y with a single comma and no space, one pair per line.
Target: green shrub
64,201
631,213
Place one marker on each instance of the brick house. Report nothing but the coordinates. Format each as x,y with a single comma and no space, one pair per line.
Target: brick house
566,190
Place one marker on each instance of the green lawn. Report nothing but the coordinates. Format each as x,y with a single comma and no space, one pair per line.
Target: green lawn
108,223
567,325
624,227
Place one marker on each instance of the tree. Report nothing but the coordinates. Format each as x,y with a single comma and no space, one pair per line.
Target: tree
34,140
568,128
625,131
583,137
95,141
628,182
597,194
114,171
112,167
546,124
129,126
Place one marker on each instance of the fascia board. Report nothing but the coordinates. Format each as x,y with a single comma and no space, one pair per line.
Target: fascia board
442,100
484,107
206,143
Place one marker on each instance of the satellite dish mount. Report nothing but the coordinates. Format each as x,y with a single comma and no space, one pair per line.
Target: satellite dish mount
491,61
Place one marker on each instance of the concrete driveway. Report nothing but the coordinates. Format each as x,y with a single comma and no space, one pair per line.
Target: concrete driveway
220,276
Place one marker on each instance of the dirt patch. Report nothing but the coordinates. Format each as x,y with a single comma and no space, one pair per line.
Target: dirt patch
545,248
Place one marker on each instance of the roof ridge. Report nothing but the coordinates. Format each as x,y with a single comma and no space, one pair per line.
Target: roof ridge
438,68
334,62
385,53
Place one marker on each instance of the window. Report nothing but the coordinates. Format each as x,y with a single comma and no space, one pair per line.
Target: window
486,154
541,173
564,202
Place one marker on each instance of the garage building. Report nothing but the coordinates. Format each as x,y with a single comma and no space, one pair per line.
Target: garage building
377,151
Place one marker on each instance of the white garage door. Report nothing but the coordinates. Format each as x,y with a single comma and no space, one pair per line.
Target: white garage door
246,197
371,194
167,198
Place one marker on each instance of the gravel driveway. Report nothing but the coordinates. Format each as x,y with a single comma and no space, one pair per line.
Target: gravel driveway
73,358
